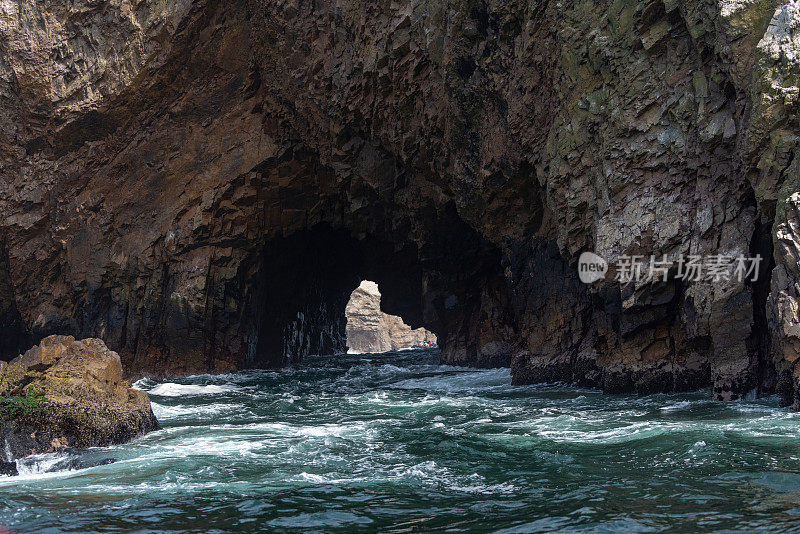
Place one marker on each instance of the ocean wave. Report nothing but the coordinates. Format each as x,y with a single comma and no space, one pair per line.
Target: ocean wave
677,406
472,381
163,412
51,464
171,389
39,464
622,434
144,384
381,437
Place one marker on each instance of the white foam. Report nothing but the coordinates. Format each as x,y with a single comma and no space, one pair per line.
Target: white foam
316,479
143,384
217,446
169,412
676,406
38,464
574,431
697,447
171,389
471,381
486,489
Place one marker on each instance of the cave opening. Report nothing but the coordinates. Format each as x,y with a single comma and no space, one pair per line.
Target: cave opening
443,276
371,330
306,281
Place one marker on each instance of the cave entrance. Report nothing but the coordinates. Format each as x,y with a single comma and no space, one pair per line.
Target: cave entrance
449,281
371,330
305,281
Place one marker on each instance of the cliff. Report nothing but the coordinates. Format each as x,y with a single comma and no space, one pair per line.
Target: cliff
370,330
202,184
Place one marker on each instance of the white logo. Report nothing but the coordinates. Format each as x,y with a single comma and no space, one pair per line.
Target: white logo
691,268
591,267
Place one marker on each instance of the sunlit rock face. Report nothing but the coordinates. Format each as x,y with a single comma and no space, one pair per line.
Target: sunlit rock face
205,185
76,398
371,330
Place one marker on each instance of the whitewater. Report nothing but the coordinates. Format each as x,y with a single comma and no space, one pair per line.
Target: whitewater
399,443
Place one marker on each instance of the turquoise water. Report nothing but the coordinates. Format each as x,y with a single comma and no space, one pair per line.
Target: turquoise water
398,443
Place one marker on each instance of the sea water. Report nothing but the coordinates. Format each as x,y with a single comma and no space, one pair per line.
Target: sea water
399,443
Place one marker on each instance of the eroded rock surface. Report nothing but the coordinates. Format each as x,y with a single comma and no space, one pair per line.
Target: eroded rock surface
204,189
371,330
76,398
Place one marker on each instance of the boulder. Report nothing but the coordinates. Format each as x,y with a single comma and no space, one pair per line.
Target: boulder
68,393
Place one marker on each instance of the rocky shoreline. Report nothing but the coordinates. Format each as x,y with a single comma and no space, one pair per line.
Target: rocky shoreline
64,395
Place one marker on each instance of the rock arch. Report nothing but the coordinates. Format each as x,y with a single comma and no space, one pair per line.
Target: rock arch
160,196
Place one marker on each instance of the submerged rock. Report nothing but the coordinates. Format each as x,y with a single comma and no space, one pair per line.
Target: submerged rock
68,393
65,459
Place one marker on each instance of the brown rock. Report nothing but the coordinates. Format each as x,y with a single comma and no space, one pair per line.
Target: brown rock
206,198
68,393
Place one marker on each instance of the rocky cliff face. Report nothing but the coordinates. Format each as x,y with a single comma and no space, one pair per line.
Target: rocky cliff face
371,330
204,188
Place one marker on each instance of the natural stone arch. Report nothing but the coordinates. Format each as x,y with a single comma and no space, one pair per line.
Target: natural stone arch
493,142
